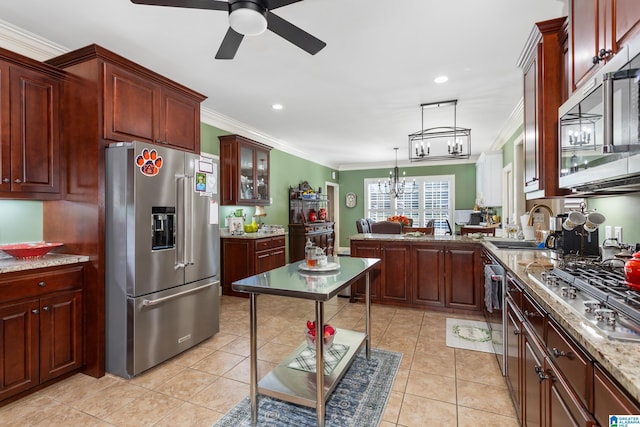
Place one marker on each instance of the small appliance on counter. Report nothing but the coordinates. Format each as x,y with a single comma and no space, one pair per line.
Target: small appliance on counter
578,241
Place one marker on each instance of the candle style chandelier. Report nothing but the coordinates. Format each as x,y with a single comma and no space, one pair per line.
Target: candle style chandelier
394,185
429,144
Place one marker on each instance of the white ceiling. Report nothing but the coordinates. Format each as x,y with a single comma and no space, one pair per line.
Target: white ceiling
347,106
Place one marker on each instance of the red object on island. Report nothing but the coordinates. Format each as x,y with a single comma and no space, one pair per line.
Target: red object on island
312,216
632,272
29,250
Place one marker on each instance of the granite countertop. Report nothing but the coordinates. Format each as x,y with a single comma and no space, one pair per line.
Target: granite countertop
621,359
224,234
9,264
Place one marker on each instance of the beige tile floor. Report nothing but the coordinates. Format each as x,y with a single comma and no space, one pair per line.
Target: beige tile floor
436,384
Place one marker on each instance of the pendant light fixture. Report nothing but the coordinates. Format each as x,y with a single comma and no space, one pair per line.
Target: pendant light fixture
394,185
440,143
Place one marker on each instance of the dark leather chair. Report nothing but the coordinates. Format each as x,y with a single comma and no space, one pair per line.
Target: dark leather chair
386,227
362,225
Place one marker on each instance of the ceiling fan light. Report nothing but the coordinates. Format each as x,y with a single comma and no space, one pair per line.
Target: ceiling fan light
247,21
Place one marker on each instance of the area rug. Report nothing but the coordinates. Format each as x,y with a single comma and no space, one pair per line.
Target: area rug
470,335
358,400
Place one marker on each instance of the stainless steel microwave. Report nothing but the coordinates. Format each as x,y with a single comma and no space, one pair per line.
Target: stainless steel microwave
599,129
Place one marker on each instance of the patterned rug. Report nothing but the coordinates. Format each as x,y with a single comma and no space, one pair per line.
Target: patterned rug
470,335
358,400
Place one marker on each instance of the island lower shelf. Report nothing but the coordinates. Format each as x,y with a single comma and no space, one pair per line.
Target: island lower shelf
298,386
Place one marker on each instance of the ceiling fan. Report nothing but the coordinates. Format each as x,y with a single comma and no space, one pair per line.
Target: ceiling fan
248,17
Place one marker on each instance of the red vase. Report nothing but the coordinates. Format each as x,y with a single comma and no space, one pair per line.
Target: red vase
313,217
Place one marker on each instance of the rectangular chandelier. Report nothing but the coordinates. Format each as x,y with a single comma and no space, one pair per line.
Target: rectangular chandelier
440,143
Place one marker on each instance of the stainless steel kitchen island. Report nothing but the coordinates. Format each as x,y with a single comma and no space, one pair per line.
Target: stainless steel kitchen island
294,385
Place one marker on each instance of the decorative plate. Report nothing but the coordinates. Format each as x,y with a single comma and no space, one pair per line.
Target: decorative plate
29,250
329,267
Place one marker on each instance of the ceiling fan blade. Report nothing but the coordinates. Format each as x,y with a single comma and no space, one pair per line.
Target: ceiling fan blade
274,4
230,45
192,4
295,35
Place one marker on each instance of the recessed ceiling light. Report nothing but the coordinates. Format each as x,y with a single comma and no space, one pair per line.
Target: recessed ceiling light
277,106
441,79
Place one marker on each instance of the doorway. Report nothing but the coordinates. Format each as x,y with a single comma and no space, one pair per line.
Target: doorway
333,195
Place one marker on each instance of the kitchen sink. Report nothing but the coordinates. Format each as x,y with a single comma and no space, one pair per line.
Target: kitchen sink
514,244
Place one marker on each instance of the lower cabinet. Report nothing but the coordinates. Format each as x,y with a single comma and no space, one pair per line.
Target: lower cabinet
41,328
553,381
246,256
422,274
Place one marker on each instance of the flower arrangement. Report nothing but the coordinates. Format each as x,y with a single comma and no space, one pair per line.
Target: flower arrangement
399,218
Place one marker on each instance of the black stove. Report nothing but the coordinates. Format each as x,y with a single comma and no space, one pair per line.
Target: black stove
598,295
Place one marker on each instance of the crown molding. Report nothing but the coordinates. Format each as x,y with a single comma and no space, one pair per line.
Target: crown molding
28,44
515,121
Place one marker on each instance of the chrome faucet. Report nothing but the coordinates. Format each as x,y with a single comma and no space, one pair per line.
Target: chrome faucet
534,208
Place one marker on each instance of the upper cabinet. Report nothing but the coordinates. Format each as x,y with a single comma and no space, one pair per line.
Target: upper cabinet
244,171
29,128
489,178
598,28
542,65
137,103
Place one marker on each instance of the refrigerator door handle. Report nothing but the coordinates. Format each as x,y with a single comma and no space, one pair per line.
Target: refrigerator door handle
181,240
189,184
151,303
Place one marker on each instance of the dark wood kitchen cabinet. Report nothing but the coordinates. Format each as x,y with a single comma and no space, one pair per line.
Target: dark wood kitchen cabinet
543,71
321,234
244,172
243,257
395,273
595,26
463,287
29,128
428,286
367,249
610,398
137,107
41,328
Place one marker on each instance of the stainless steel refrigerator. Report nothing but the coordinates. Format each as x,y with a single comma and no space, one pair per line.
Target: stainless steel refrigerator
162,254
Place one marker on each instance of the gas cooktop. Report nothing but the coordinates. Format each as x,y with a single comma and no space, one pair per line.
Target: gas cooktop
598,295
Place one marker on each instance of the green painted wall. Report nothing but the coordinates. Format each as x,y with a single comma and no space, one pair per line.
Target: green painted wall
620,211
507,148
465,191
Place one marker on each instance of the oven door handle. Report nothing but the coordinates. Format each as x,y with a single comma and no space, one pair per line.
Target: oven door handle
150,303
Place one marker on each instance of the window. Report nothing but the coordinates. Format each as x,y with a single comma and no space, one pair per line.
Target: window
426,198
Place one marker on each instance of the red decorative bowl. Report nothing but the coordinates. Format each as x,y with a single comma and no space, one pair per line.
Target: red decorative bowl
29,250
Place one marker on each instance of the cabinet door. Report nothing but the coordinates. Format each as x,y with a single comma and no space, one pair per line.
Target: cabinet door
514,358
130,106
238,262
244,171
461,278
584,36
395,273
180,121
627,18
427,278
5,135
531,131
18,347
35,139
563,408
60,334
533,405
364,249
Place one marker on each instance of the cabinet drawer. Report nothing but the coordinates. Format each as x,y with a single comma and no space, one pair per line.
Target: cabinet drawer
36,283
571,361
263,244
610,399
277,242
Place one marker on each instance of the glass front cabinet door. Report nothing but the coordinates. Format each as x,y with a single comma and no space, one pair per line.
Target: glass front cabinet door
244,171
